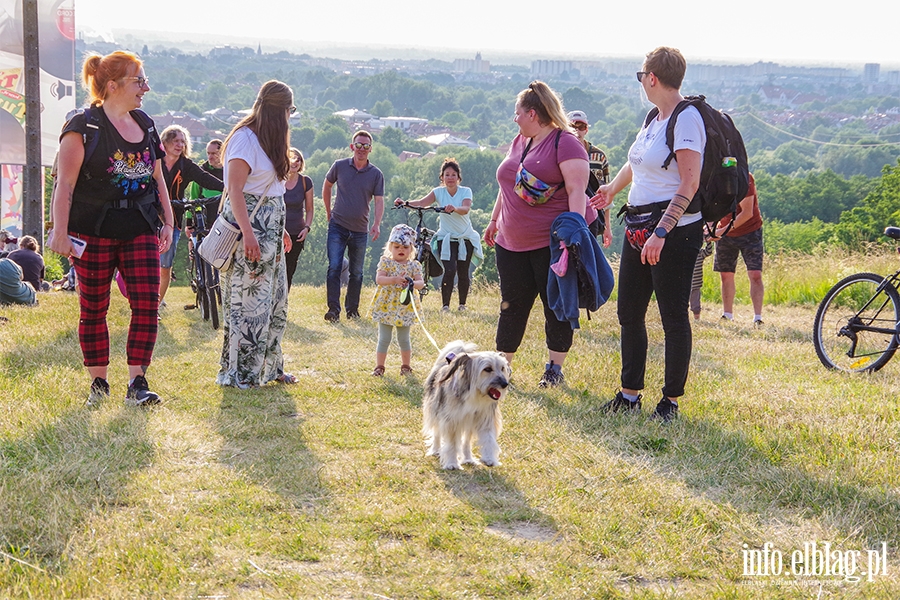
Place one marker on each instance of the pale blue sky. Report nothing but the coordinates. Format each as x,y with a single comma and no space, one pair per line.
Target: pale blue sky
780,30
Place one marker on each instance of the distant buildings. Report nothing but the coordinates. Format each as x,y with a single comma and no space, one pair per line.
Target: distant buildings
467,65
870,73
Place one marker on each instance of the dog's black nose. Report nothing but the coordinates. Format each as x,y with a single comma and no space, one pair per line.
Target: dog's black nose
503,382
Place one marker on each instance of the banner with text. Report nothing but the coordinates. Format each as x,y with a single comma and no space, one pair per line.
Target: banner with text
56,35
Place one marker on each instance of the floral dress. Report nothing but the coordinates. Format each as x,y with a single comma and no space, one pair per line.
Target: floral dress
254,301
386,307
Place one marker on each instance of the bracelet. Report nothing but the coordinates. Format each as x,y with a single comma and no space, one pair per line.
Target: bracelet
493,220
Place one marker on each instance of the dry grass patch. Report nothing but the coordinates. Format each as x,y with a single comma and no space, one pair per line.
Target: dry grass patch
322,490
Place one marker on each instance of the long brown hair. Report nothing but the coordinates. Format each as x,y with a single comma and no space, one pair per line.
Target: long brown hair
98,70
268,119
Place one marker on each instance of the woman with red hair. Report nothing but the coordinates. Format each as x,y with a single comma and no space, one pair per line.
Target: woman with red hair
113,200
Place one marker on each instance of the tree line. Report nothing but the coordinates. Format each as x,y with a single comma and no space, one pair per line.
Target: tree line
820,181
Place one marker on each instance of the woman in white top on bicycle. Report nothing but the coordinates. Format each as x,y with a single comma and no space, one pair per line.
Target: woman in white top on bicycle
455,242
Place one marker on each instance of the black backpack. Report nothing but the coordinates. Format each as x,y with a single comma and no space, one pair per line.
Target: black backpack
725,177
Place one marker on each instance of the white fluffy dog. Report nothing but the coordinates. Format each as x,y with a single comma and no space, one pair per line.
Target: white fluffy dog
462,401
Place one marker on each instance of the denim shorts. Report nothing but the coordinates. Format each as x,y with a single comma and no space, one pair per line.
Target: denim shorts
168,257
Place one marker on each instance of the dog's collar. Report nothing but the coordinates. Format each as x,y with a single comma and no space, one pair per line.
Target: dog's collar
450,358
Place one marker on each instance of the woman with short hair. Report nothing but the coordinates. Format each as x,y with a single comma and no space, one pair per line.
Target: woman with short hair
29,258
662,243
179,171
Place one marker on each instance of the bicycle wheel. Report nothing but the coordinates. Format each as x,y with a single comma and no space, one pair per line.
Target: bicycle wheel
210,288
855,328
202,292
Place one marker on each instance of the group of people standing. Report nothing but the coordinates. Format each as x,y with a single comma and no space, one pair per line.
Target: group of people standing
118,202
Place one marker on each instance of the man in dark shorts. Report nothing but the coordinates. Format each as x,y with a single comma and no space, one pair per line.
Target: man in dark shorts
745,238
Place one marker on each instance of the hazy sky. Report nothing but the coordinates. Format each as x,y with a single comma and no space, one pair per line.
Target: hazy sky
785,30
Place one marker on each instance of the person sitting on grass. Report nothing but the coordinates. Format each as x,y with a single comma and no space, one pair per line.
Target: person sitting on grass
13,289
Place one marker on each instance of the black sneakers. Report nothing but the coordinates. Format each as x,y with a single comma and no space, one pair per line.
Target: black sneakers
621,403
666,411
353,314
552,376
99,392
332,317
139,393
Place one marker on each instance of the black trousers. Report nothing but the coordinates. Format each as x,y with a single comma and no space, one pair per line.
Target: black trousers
456,269
291,258
670,280
523,277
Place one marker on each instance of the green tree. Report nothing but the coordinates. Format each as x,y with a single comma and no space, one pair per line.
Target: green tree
383,108
330,137
881,208
303,138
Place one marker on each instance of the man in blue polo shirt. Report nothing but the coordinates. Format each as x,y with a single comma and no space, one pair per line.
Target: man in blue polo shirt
358,182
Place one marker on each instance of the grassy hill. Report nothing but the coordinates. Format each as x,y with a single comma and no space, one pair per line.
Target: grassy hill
321,490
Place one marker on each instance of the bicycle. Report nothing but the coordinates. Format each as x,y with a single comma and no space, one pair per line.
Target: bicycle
203,277
431,266
857,324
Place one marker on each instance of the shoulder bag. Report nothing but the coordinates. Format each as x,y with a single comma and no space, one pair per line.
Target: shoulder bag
220,244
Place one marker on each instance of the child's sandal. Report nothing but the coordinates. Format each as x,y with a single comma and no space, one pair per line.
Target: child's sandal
378,371
405,370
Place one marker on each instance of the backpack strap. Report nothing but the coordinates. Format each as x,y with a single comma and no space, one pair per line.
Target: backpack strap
670,127
91,135
93,123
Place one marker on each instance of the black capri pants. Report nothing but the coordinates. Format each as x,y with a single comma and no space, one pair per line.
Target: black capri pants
523,277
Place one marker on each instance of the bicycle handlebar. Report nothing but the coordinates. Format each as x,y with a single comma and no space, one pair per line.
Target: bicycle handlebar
197,201
419,209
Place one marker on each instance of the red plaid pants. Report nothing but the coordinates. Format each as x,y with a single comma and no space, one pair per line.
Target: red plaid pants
138,262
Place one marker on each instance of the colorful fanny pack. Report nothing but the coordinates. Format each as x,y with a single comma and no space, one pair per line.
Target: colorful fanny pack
528,187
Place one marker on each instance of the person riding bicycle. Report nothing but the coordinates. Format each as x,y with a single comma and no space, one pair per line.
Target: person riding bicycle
455,241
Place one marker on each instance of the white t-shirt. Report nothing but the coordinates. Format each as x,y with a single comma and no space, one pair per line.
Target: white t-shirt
245,145
651,183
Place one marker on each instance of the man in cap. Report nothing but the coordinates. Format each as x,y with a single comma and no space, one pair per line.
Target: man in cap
599,172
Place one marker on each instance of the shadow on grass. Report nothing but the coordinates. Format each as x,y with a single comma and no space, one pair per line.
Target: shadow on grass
263,440
54,477
495,497
752,474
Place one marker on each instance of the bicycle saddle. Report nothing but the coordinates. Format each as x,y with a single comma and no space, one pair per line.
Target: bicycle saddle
892,232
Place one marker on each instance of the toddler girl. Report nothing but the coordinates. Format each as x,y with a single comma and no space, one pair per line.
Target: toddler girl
395,269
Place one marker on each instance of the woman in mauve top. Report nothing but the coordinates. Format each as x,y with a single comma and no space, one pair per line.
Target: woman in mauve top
520,227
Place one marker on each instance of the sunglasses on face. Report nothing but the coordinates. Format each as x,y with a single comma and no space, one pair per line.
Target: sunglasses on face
640,75
579,126
293,109
361,146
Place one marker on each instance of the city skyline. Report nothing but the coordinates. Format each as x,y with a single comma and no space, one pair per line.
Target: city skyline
767,31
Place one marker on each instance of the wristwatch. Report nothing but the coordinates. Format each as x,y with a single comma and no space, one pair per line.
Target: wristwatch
660,232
